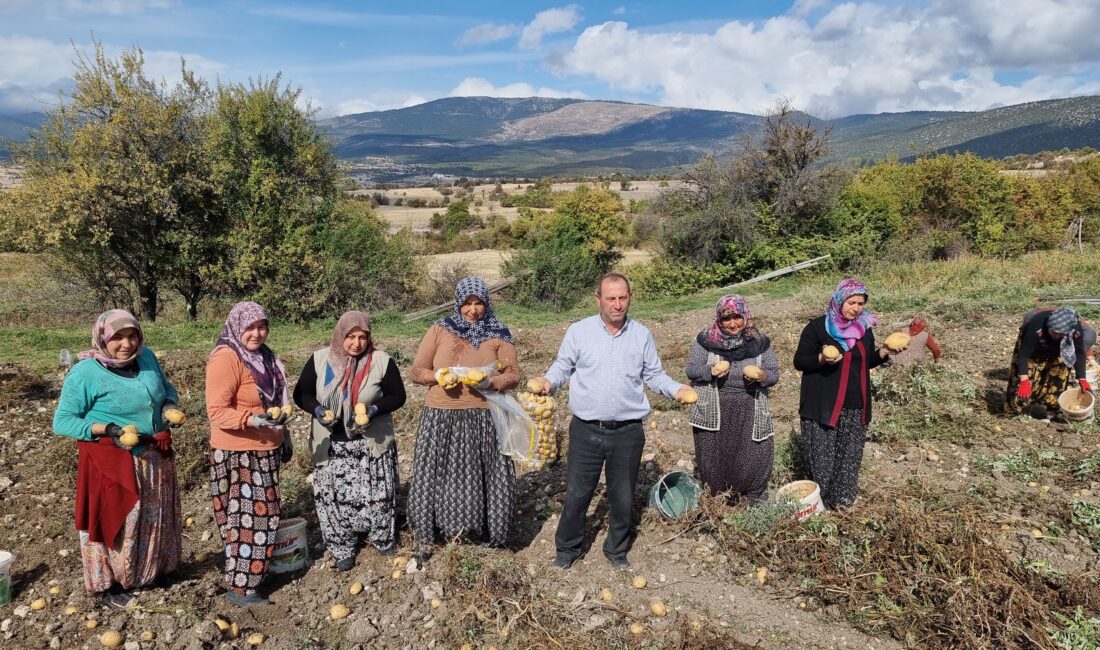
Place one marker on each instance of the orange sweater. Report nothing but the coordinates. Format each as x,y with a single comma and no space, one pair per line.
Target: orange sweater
441,349
231,399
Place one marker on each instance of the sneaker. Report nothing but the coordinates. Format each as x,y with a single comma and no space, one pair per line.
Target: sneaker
388,551
346,564
619,563
247,600
561,563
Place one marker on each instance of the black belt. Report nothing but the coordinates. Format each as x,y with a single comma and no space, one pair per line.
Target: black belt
610,425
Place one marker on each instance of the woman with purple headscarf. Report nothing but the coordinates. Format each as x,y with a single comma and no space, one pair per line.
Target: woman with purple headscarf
1050,345
835,354
734,445
127,498
247,446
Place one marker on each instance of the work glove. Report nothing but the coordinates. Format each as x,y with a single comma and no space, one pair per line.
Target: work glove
163,441
113,431
1024,390
261,420
1084,385
173,415
319,415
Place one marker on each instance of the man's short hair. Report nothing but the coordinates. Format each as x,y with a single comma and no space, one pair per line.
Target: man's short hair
614,277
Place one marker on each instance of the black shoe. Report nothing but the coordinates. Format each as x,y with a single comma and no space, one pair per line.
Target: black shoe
120,600
619,563
561,563
248,600
346,564
388,551
423,555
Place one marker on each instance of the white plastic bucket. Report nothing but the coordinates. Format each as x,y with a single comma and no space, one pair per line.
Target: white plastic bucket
808,495
1075,405
6,560
291,550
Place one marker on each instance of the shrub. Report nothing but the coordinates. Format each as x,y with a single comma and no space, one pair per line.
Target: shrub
664,279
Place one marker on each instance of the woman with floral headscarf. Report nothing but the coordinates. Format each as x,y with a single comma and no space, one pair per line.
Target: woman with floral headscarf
127,499
462,485
734,445
243,380
1051,342
835,354
351,388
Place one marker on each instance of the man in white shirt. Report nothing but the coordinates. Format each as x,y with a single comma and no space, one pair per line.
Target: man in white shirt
605,359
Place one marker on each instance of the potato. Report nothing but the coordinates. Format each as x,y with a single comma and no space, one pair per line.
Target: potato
38,604
255,639
436,603
658,608
129,439
830,352
639,582
338,611
762,574
396,575
691,397
70,610
474,376
222,624
606,595
55,590
535,386
91,624
110,639
274,413
288,410
361,408
362,419
329,414
755,373
720,367
175,416
637,628
897,341
148,635
356,588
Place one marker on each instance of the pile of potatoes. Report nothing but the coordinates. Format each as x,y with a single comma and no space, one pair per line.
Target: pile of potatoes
541,410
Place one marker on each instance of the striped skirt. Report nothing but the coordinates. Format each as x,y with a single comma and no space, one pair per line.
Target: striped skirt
462,485
151,535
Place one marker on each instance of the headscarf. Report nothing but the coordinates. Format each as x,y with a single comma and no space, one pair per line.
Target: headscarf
749,342
1064,321
487,327
107,325
917,325
845,331
266,370
344,373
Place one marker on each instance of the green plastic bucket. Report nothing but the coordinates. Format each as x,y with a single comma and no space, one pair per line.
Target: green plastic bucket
674,494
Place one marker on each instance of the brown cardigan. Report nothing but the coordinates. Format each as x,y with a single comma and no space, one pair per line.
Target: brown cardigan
441,349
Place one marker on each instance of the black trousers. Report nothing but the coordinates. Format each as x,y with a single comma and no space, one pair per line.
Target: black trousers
618,452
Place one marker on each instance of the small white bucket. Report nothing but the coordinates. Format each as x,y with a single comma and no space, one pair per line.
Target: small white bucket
6,560
1092,372
1075,405
808,495
291,550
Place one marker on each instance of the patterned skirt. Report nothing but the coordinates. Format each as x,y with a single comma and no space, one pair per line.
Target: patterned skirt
832,456
1049,378
728,459
245,488
356,494
150,536
462,486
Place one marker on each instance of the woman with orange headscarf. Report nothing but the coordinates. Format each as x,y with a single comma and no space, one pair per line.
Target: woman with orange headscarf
351,388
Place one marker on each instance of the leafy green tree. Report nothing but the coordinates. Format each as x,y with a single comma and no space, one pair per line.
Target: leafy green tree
277,179
118,184
366,267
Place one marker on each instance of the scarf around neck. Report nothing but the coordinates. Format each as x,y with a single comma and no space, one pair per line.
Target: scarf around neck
343,372
747,343
487,327
845,331
107,325
266,370
1064,321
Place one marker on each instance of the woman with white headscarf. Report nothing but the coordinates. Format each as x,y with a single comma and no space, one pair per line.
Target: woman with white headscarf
1050,344
351,388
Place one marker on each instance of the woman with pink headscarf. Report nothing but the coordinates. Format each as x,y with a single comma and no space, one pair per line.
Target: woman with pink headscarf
247,447
835,402
734,445
127,498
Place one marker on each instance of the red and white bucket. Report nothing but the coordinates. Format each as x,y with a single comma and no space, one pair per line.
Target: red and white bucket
807,494
291,550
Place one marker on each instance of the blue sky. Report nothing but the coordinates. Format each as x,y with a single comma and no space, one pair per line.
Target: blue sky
830,58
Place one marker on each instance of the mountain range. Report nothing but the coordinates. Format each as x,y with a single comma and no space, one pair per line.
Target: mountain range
534,137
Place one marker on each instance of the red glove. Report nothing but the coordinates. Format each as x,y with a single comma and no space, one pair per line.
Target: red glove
1084,384
163,441
1024,391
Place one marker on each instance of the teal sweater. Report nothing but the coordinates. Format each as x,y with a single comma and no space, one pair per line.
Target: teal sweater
92,394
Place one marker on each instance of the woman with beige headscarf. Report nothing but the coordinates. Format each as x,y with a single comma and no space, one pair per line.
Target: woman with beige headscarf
351,388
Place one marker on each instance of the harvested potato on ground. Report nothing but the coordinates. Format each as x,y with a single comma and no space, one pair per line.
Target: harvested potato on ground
338,611
658,608
110,639
639,582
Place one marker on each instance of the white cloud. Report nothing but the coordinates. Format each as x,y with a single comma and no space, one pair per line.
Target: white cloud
619,11
478,87
383,100
413,100
487,33
116,7
857,57
550,21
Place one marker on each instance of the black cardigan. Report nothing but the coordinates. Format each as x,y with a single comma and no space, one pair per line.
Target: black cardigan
821,399
392,388
1036,342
